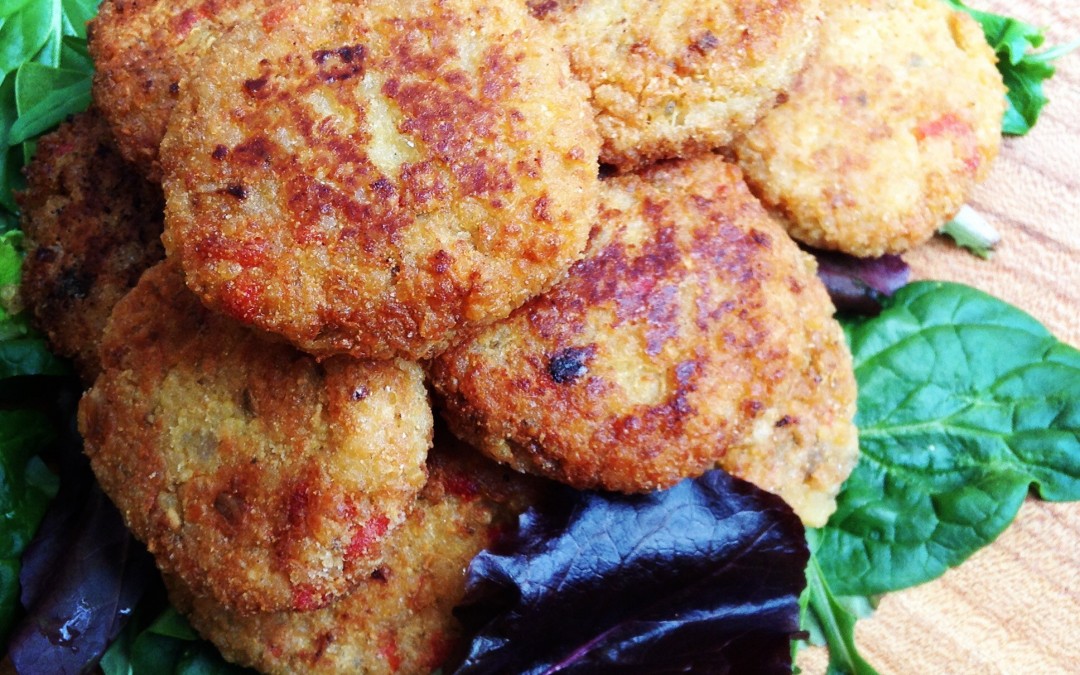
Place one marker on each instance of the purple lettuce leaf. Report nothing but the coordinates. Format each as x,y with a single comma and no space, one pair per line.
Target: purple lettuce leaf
81,576
704,577
858,285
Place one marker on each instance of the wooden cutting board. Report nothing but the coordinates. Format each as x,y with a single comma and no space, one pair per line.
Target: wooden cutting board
1014,607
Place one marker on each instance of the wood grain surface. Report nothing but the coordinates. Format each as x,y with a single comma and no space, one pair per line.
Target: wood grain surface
1014,607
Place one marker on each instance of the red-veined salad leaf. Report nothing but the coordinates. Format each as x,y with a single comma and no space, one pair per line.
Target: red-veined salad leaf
704,577
82,575
26,487
860,284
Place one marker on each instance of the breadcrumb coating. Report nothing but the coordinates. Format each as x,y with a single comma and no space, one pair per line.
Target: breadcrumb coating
368,178
251,471
886,132
398,620
92,226
675,79
693,334
143,52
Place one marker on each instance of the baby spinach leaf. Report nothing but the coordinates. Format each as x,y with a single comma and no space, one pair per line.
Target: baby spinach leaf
26,487
45,96
1023,70
167,645
836,623
704,577
75,14
43,47
22,351
26,27
11,159
964,402
28,356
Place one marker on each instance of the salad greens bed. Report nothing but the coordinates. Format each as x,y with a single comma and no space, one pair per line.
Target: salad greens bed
965,403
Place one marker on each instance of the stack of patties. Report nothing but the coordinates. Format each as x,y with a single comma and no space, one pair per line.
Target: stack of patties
357,194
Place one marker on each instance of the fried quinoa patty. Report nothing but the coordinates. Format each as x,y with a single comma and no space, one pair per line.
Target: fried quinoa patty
677,79
252,471
398,620
143,51
886,132
367,178
92,226
693,334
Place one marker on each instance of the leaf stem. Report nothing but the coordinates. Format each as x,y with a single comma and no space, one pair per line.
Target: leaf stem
837,624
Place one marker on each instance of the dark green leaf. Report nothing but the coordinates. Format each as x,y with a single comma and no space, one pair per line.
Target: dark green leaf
168,645
11,178
172,624
117,658
22,351
26,487
74,55
836,623
1022,69
76,14
29,356
964,402
26,28
45,96
44,41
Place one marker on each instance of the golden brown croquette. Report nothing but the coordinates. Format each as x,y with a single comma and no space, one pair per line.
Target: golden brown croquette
398,620
143,51
92,226
693,334
252,471
367,178
674,79
886,132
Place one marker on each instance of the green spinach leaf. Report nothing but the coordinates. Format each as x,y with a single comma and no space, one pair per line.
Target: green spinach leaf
22,350
44,76
11,159
832,622
45,95
167,645
964,402
1023,70
26,29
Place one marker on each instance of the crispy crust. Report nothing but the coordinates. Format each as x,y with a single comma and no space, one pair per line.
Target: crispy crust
92,226
143,51
399,620
677,79
694,333
887,131
250,470
368,178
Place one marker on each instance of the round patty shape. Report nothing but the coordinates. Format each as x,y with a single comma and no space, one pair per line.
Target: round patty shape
92,226
399,620
367,178
252,471
143,51
693,334
676,79
886,132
